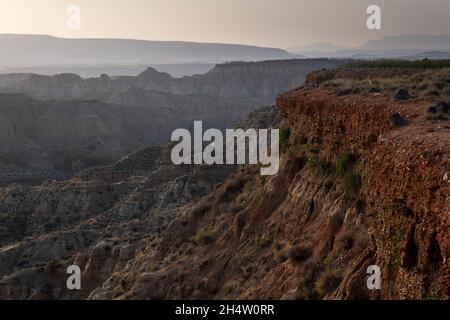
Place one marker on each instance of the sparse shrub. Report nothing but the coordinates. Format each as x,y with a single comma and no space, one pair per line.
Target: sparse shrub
243,262
375,90
203,237
281,257
345,241
443,107
312,161
329,259
327,282
234,184
299,253
352,182
285,133
301,140
306,283
344,92
260,243
350,178
342,163
227,290
433,93
439,85
200,210
313,148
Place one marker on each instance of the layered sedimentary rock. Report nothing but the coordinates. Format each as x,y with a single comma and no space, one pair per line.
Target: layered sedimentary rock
260,82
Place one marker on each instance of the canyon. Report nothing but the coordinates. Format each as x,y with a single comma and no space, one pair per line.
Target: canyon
356,187
64,123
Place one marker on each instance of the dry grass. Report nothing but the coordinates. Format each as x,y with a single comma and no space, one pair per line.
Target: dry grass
299,253
327,282
424,83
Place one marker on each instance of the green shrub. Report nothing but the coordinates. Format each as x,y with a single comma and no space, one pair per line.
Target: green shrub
285,133
342,163
203,237
352,182
313,148
312,161
260,243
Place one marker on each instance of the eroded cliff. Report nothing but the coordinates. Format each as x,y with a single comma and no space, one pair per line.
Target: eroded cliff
356,187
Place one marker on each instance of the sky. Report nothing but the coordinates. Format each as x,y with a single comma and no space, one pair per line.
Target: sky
272,23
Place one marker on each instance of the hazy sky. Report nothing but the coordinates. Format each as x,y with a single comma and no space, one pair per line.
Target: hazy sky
278,23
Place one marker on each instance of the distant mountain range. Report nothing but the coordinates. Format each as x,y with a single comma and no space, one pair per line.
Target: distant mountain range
48,55
398,47
35,50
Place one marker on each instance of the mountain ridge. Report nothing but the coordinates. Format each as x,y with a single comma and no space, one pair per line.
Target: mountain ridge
28,50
